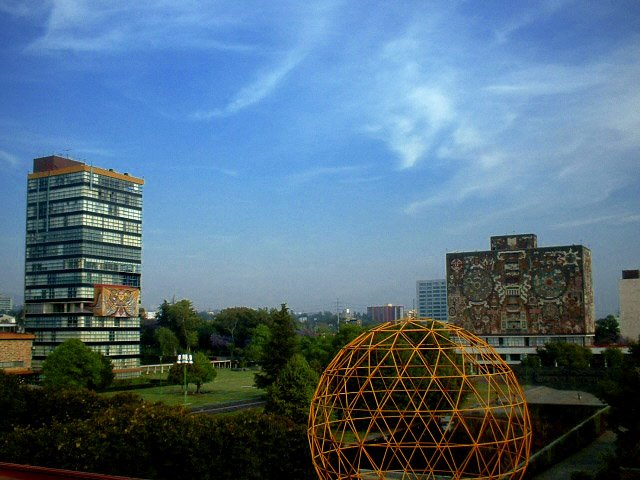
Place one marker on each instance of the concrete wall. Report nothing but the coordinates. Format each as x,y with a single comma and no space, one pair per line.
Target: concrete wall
15,351
575,439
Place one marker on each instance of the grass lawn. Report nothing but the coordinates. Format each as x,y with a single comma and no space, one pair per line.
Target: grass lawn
228,386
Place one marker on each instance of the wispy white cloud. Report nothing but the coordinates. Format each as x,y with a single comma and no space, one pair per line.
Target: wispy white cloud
465,186
19,8
506,138
313,174
308,29
102,26
552,79
9,158
526,17
478,122
226,171
354,180
23,137
617,219
410,124
256,91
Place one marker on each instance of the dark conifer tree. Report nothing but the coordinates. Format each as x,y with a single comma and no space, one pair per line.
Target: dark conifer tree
281,346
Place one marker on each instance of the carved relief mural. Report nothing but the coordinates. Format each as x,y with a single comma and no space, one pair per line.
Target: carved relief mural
115,301
532,290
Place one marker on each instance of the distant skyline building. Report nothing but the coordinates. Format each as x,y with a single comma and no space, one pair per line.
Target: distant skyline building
83,259
385,313
8,323
432,299
518,296
629,290
6,303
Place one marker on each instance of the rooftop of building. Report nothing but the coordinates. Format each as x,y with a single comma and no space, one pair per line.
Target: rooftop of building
16,336
56,165
7,319
517,242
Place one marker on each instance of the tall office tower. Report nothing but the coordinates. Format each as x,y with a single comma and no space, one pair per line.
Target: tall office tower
83,259
385,313
432,299
518,296
629,291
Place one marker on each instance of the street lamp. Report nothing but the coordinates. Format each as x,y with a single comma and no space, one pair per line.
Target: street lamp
185,359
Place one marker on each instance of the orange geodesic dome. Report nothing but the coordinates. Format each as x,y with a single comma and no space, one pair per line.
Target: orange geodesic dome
419,399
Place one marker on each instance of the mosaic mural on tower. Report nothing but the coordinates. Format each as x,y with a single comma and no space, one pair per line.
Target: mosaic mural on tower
115,301
543,291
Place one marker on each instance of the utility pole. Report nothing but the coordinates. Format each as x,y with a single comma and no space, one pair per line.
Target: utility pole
338,313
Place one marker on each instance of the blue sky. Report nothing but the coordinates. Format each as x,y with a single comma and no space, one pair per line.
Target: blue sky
307,152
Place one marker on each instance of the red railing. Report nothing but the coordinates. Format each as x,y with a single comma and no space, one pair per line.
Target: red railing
12,471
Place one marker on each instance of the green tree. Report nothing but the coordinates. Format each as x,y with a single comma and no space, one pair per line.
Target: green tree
607,330
199,372
347,333
634,354
317,350
12,401
614,357
290,395
74,365
167,342
528,365
202,371
124,435
621,391
563,354
260,336
182,319
531,361
320,349
279,348
238,323
106,372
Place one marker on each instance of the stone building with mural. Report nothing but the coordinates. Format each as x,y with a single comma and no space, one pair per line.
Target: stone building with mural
518,296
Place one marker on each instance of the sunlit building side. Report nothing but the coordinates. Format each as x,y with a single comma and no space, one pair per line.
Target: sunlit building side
629,290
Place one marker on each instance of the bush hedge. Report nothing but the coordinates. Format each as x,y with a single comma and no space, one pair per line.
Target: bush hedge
124,435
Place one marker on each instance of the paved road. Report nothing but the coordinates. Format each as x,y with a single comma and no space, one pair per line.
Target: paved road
229,407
